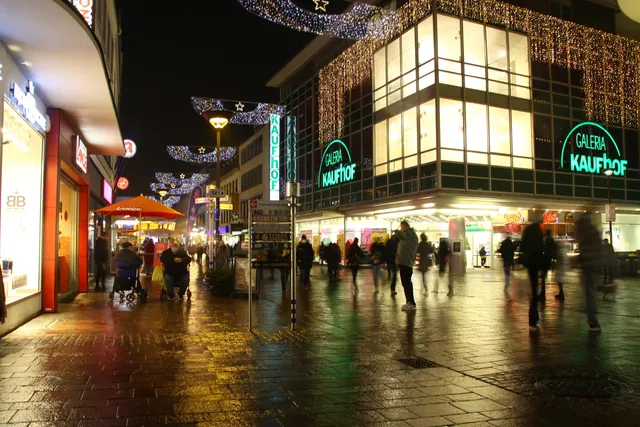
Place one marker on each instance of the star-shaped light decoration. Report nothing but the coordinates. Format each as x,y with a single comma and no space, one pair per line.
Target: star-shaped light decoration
173,186
182,176
202,150
321,4
240,106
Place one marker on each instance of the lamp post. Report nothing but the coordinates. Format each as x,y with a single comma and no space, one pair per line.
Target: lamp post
609,172
217,119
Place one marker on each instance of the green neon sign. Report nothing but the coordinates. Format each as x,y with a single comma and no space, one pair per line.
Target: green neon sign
587,143
336,166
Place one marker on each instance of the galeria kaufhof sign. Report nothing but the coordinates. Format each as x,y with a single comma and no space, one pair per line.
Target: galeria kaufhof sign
336,165
590,148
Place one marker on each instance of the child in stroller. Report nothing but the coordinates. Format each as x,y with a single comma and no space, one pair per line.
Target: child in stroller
127,278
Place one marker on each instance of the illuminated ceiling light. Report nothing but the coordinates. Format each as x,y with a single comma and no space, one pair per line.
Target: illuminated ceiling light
26,63
14,48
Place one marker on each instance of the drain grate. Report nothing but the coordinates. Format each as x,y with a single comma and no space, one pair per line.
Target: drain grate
419,363
583,387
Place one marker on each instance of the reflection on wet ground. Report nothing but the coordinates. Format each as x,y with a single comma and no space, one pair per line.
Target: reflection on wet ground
355,359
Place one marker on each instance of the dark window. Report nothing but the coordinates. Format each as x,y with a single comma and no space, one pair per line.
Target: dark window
252,178
631,148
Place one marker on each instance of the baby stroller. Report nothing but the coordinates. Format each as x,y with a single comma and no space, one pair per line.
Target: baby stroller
128,279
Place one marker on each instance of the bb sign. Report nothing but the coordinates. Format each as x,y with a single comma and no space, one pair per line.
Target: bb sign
336,166
590,148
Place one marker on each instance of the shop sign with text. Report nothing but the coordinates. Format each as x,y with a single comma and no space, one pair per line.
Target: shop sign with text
274,158
336,166
82,156
594,151
85,7
25,101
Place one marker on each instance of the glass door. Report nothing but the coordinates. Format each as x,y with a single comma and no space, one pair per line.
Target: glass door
68,238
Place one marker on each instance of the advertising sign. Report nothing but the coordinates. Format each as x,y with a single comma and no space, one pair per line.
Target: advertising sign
590,148
192,214
336,165
130,148
274,158
122,184
26,105
85,7
107,191
291,161
82,157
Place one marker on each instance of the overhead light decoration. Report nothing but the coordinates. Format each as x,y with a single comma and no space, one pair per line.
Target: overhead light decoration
354,24
172,189
168,202
194,179
260,115
609,62
185,153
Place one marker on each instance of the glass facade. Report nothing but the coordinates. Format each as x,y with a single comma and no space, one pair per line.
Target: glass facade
455,104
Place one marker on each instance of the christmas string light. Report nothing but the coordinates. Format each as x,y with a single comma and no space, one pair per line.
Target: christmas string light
172,190
610,63
184,153
260,115
168,202
354,24
194,179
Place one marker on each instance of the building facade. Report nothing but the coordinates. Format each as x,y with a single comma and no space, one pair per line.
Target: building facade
56,134
482,112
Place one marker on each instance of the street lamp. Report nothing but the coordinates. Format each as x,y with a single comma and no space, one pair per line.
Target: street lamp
217,119
609,172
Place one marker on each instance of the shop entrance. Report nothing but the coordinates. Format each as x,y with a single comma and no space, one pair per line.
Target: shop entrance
68,238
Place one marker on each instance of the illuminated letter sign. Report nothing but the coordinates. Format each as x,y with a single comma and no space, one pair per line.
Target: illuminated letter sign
82,159
26,103
274,158
122,184
107,191
85,7
336,166
592,151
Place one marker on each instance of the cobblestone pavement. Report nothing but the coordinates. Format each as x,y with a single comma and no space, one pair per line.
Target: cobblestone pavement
355,359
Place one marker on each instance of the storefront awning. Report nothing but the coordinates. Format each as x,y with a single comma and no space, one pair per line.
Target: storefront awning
64,60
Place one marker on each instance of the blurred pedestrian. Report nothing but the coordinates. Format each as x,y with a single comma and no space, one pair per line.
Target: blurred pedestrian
550,249
561,268
532,257
443,260
305,257
377,257
149,256
591,255
483,256
390,252
405,259
609,255
333,257
354,258
507,250
425,250
101,257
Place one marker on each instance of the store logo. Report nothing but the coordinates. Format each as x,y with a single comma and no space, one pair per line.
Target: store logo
82,157
130,148
85,7
16,202
548,217
510,218
274,158
122,183
26,103
336,166
591,152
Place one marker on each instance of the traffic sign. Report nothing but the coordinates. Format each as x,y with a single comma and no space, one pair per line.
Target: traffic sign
217,193
210,200
269,204
226,206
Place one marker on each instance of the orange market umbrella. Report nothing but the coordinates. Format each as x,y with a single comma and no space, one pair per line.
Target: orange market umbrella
140,207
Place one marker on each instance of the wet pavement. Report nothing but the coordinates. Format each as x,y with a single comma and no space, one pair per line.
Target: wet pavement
355,359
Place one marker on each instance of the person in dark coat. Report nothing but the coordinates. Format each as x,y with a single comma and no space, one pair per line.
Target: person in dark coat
101,257
377,255
149,255
532,257
609,262
176,269
550,251
425,250
591,261
390,252
333,256
443,256
305,257
354,257
507,250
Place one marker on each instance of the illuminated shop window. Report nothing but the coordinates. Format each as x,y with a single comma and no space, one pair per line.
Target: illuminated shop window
469,54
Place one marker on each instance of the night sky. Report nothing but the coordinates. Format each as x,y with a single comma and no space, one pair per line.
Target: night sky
175,50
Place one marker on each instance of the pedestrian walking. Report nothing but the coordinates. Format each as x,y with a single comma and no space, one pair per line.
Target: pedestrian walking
532,257
354,258
149,255
283,257
305,257
507,251
425,250
333,256
101,257
390,252
405,259
591,254
550,249
483,256
377,256
609,255
443,260
562,266
200,252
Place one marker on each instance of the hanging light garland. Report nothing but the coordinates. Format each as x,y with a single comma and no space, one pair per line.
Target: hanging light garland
260,115
610,63
354,24
169,201
185,153
194,179
172,189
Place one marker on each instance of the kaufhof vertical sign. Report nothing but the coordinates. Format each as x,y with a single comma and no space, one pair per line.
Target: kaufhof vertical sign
274,157
590,148
336,165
